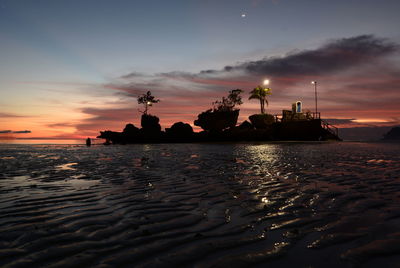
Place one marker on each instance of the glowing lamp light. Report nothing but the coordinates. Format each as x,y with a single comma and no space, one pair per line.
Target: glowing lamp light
313,82
266,82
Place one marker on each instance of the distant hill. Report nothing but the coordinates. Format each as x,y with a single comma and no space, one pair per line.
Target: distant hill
393,134
364,133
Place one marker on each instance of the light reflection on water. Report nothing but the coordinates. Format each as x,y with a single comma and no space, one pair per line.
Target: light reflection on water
265,153
290,204
67,166
50,141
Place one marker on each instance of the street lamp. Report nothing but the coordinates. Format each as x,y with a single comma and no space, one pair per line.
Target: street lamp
265,93
315,91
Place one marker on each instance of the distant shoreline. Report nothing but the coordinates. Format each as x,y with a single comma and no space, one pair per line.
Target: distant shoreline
100,142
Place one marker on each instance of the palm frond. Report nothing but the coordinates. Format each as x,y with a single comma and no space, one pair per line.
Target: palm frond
254,96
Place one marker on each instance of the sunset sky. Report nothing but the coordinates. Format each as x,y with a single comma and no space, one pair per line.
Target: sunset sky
71,68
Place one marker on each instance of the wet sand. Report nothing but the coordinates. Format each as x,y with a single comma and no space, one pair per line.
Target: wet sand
200,205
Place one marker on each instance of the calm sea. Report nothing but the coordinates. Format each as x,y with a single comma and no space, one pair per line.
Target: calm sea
314,204
49,141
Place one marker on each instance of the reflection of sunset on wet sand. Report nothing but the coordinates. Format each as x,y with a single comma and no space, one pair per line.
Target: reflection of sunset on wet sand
285,205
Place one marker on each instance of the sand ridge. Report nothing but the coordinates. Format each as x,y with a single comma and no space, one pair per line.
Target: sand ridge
200,205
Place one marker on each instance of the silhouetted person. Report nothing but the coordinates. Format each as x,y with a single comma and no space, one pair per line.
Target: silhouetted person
88,142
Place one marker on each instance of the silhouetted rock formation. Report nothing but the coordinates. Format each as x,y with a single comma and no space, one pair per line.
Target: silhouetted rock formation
131,130
393,134
261,121
179,130
111,136
151,128
220,126
304,130
216,121
150,123
246,125
130,134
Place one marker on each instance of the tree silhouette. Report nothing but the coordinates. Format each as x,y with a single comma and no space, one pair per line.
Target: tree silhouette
229,103
147,100
223,115
261,94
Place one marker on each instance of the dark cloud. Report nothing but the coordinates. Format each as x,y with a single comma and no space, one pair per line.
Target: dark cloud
11,115
15,132
22,131
131,89
132,75
335,56
177,74
65,124
106,116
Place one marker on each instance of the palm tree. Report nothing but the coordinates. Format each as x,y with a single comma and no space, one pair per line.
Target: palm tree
260,93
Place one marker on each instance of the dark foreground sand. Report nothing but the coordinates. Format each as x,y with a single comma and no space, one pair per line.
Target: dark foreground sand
199,205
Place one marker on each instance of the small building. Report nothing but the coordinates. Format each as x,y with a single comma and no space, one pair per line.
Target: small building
296,114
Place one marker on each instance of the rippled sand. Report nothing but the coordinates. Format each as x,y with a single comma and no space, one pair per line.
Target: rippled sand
200,205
